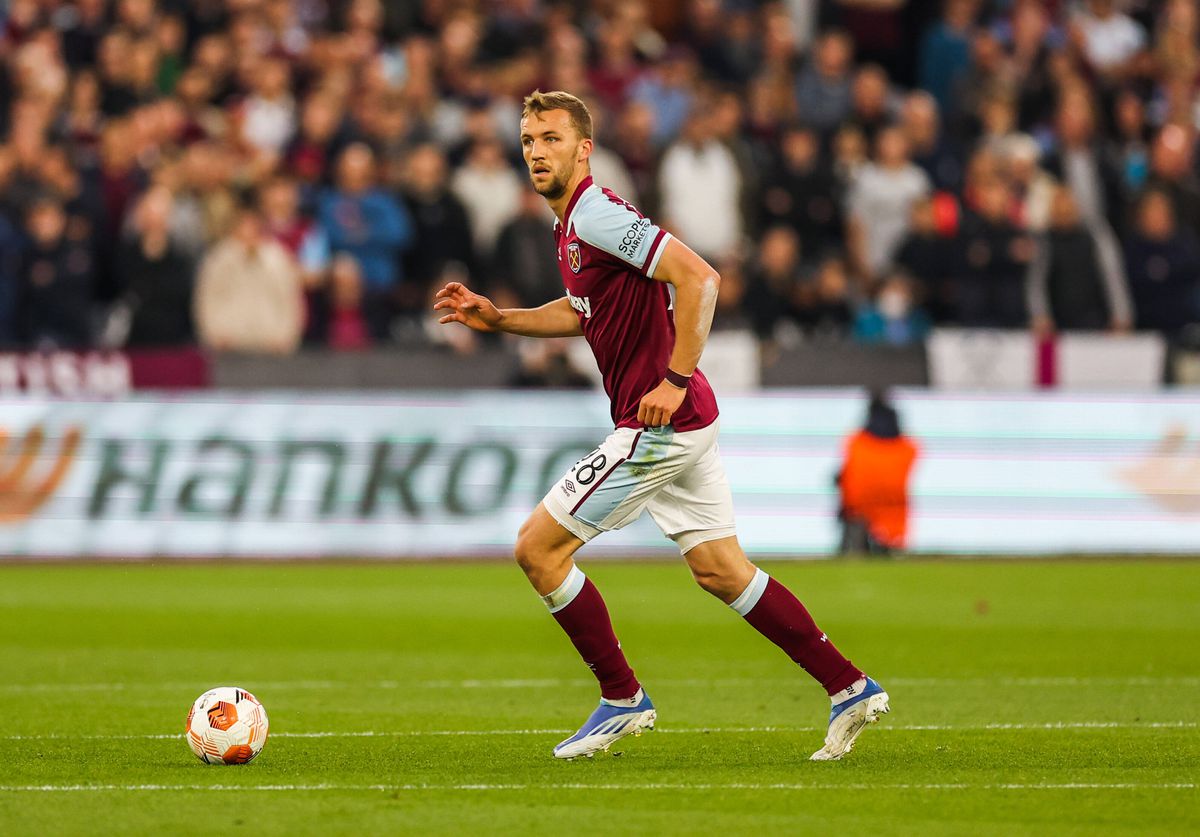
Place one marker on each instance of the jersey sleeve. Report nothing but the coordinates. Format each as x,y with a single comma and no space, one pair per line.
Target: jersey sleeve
610,224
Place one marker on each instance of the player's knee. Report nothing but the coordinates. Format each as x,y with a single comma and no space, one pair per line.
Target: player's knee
709,581
723,575
718,581
525,551
531,553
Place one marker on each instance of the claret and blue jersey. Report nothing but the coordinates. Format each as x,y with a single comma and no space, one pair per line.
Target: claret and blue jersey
607,252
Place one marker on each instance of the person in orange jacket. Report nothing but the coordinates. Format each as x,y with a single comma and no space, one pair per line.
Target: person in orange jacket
873,483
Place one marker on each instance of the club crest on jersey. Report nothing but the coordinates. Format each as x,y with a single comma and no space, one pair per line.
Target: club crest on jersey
574,257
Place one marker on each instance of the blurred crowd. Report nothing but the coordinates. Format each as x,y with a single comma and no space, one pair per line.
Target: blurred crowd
256,175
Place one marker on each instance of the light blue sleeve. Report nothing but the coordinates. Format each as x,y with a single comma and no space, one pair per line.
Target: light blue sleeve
605,221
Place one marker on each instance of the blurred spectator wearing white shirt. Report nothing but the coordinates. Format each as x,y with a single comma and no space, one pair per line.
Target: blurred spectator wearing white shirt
880,203
1110,39
700,188
491,192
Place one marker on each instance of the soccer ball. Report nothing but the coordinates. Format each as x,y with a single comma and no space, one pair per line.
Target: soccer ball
227,725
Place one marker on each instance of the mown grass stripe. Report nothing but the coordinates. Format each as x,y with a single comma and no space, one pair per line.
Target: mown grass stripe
674,786
1051,725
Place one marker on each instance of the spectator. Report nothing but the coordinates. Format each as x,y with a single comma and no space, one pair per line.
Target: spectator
772,289
28,147
202,120
304,239
873,483
319,141
369,224
1077,280
143,73
997,121
1080,163
992,256
700,188
704,32
937,154
892,318
58,282
1171,171
1176,54
440,220
880,201
823,88
946,50
823,306
870,103
116,73
801,191
156,277
1034,41
490,190
170,36
1130,147
669,91
525,271
851,153
267,118
120,177
990,74
80,125
78,192
634,144
1162,260
727,115
615,69
347,328
81,33
926,254
880,33
248,295
1108,39
204,202
1033,188
301,235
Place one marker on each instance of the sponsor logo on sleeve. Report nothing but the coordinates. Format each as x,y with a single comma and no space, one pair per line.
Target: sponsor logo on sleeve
634,236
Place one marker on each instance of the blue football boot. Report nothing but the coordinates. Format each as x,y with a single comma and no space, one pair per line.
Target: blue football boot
607,725
849,718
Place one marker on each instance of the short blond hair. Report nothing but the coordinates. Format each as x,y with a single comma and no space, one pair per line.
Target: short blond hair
581,118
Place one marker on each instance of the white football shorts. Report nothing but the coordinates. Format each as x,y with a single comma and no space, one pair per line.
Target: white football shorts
677,477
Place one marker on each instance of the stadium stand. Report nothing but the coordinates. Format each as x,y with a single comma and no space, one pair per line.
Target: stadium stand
866,172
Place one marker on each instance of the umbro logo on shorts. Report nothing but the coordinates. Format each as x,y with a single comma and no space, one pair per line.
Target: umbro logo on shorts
568,487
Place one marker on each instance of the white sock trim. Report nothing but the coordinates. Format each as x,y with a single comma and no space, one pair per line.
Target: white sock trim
566,592
745,603
625,703
855,688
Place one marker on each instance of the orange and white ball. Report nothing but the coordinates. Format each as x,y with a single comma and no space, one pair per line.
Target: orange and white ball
227,725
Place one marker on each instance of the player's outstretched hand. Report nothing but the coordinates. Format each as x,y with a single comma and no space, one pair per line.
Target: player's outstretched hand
660,404
466,307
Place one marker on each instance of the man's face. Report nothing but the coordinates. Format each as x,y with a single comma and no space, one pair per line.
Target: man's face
552,150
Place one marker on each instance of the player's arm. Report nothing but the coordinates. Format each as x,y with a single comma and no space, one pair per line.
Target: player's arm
554,319
696,283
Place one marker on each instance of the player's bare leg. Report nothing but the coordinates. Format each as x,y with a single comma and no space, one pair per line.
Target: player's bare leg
721,567
545,552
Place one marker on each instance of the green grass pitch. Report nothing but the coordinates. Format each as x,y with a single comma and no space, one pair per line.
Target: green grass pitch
1027,697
